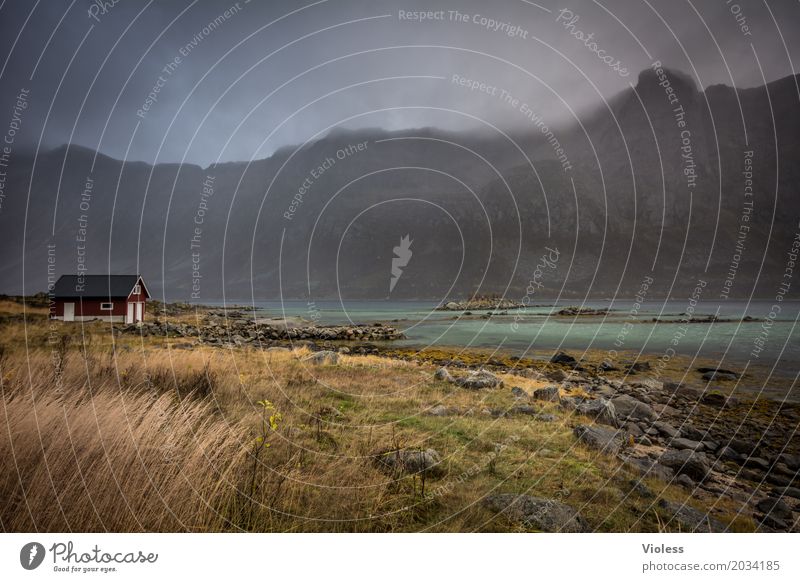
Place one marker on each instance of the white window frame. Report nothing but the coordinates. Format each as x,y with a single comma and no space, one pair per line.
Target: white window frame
109,308
137,289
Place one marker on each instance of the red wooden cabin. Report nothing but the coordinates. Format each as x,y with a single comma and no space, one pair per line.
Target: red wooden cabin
120,298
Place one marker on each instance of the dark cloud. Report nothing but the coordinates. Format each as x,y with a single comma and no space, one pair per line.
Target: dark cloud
264,74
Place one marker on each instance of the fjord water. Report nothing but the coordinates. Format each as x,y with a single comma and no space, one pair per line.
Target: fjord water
729,340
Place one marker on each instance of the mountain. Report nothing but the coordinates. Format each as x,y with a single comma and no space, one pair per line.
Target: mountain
647,192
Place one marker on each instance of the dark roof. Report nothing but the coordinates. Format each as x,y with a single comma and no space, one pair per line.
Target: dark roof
101,286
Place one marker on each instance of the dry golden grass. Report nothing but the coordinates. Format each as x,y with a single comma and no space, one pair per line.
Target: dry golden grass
134,434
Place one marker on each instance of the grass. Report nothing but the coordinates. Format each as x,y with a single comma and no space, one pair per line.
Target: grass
103,433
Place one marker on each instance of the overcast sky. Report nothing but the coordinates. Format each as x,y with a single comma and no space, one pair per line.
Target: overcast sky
266,74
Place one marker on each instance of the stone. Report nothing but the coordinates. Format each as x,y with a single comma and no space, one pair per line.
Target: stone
682,391
607,366
639,366
718,371
690,519
772,522
743,447
550,394
728,454
756,463
717,399
633,429
323,357
644,440
556,375
518,392
791,461
695,465
570,402
601,410
629,408
410,461
666,429
690,432
682,443
479,379
563,358
776,508
603,439
685,481
648,468
793,492
549,515
443,375
545,417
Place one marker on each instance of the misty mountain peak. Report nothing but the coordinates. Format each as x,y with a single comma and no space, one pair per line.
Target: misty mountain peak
683,83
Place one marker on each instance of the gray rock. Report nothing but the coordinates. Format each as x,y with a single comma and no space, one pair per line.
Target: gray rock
688,462
550,394
538,513
563,358
570,402
410,461
556,375
518,392
776,508
666,429
323,357
442,410
718,400
682,443
791,461
756,463
690,519
648,468
743,447
601,410
633,429
629,408
728,454
685,481
545,417
479,379
443,375
793,492
606,440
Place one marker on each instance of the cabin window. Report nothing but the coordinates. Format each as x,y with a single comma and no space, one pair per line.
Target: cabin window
106,306
137,289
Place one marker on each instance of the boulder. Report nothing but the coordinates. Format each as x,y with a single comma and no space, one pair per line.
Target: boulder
776,508
443,375
688,462
601,410
550,394
555,375
479,379
690,519
606,440
410,461
682,443
629,408
538,513
323,357
717,399
518,392
666,429
563,358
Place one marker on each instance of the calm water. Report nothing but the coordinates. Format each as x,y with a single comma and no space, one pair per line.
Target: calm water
535,328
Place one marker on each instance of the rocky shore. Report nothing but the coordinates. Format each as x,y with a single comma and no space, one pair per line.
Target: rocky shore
236,330
721,448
